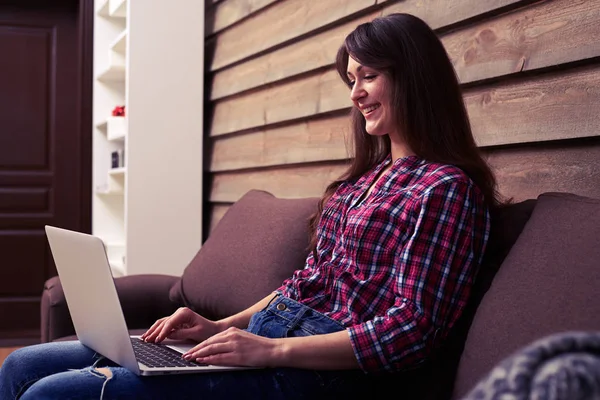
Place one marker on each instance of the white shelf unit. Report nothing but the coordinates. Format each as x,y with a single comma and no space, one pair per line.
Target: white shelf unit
118,8
149,57
116,128
102,8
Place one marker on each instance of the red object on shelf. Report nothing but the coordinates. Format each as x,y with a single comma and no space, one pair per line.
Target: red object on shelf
118,111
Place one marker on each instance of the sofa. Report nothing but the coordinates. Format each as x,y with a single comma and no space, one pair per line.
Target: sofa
540,275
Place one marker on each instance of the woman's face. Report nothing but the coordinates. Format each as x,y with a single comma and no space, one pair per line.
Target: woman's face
371,94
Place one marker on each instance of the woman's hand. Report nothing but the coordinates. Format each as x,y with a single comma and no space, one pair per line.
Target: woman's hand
184,324
236,347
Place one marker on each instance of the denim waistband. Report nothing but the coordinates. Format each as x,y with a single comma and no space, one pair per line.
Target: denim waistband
296,314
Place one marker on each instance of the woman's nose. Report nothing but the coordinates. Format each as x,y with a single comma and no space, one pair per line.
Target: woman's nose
357,92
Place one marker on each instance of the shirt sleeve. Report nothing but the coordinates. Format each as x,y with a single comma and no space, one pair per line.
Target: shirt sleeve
435,268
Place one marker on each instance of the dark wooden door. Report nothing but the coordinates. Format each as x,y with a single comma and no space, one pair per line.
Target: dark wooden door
44,154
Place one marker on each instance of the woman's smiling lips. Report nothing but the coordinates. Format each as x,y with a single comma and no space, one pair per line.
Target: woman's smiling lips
366,110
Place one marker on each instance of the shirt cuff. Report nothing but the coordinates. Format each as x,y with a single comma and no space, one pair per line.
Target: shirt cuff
367,348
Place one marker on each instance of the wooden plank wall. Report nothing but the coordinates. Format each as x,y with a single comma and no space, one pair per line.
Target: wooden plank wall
530,71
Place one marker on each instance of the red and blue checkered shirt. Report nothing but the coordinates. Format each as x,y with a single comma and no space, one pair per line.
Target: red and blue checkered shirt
396,267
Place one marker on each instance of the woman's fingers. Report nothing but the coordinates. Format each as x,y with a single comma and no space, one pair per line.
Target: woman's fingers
150,333
194,350
209,350
173,323
182,333
182,324
234,347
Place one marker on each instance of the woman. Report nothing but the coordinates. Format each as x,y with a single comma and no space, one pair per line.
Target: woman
395,246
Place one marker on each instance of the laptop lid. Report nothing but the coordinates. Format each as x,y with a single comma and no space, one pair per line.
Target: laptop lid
91,295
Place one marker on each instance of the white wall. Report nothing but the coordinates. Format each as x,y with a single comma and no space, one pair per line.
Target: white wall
164,144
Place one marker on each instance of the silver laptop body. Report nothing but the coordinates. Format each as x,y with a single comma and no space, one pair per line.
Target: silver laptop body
94,305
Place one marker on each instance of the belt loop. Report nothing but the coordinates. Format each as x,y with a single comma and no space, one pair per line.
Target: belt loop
294,321
270,301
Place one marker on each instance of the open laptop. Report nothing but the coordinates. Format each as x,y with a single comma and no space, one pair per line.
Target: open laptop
97,315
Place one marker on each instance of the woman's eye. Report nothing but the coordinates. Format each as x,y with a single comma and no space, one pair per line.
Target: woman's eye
370,77
351,83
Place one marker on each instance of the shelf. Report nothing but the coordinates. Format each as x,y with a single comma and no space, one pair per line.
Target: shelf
110,192
117,8
119,45
113,187
116,128
114,172
102,8
101,125
117,268
115,252
114,73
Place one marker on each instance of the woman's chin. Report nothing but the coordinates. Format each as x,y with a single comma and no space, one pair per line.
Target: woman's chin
376,132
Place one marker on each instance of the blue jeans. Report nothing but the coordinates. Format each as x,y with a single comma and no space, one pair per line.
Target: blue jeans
67,370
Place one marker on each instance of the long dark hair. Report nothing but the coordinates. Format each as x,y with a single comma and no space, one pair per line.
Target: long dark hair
426,94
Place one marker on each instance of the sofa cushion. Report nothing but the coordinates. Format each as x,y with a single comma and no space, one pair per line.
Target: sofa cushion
260,241
547,284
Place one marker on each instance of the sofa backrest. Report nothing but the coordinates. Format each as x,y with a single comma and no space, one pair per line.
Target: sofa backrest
547,284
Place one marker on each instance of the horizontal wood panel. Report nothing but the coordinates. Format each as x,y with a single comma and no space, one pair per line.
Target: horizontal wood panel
216,213
279,97
300,181
522,173
309,140
287,20
558,105
318,93
542,35
442,13
319,50
315,52
548,107
228,12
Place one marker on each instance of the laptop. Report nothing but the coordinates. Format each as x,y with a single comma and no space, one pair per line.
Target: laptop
97,315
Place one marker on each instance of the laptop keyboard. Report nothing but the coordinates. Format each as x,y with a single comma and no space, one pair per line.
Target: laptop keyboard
159,356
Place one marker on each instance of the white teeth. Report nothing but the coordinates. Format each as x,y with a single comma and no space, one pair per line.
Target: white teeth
371,108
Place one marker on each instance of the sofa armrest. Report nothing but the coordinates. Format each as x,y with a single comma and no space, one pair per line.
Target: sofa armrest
55,318
144,299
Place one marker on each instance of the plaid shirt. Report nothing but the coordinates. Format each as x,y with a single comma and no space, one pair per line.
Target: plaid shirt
396,267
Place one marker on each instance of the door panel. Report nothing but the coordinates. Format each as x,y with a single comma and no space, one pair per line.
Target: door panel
41,153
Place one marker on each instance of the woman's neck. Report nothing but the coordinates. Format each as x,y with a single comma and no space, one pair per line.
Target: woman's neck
400,149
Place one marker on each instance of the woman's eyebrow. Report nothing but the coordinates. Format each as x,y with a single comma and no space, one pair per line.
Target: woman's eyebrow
357,70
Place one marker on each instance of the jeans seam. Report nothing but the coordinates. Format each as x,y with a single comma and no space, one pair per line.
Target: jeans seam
25,385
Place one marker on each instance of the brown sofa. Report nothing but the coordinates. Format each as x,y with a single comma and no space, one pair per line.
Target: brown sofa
540,275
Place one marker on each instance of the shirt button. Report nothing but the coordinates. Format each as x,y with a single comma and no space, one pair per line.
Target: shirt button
281,306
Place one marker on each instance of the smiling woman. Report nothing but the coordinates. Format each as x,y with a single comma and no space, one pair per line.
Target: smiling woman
396,243
371,94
